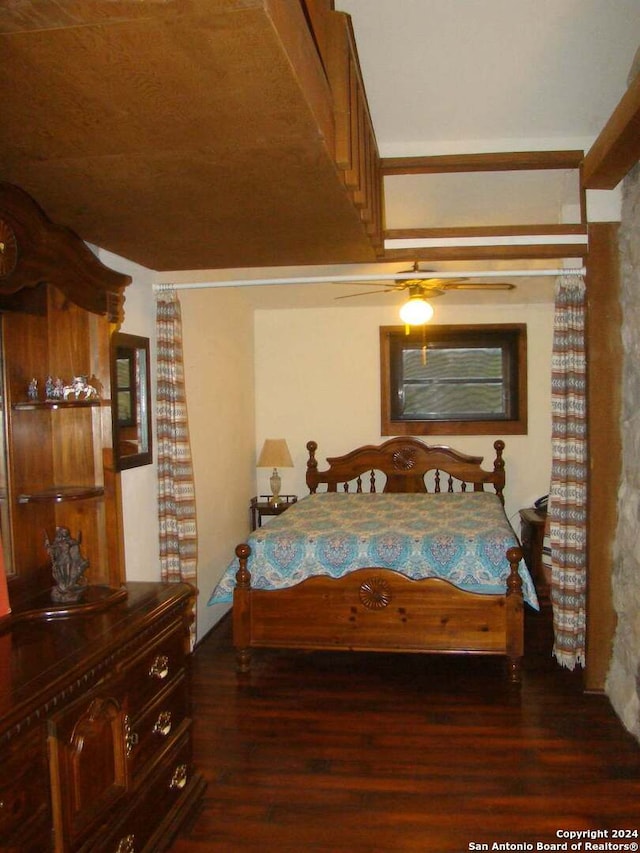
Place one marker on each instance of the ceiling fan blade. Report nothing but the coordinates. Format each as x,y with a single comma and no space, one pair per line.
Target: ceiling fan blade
366,292
369,282
488,285
429,282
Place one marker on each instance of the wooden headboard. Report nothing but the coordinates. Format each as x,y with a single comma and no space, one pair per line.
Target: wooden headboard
404,462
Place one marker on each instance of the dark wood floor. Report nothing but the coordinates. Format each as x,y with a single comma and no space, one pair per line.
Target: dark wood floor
362,753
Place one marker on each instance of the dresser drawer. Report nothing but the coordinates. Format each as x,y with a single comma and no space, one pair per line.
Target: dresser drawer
163,789
157,724
145,674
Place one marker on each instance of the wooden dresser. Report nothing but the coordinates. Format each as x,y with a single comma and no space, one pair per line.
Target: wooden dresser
95,727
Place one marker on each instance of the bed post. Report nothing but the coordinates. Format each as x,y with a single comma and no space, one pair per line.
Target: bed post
242,610
312,467
498,468
515,616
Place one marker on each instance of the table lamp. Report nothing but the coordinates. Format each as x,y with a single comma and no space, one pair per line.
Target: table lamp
275,454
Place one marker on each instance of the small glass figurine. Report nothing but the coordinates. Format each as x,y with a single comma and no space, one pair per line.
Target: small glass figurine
32,390
79,389
53,388
48,388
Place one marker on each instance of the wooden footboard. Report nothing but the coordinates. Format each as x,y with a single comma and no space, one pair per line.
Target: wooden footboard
377,609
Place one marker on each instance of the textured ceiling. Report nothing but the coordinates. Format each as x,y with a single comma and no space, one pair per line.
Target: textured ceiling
174,133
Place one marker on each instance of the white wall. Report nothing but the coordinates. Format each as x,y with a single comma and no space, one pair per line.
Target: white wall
139,485
219,375
318,377
218,353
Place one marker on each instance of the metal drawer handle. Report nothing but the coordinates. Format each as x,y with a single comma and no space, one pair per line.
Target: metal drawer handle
179,778
160,667
162,725
126,844
130,737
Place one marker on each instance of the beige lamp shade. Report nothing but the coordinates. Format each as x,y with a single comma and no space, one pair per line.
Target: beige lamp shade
274,454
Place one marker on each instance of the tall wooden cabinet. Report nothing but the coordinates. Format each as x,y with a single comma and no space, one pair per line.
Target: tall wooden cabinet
95,716
59,307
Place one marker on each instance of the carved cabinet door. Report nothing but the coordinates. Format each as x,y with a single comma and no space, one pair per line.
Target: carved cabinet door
88,766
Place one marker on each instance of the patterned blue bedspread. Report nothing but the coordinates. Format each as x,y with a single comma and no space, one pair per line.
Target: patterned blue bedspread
461,537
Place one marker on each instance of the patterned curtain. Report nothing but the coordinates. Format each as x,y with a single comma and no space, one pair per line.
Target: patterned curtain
176,490
568,492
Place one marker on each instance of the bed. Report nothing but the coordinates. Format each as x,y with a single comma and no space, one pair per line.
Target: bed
397,548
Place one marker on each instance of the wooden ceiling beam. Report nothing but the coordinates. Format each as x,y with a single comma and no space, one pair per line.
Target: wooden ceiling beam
484,253
617,148
485,231
509,161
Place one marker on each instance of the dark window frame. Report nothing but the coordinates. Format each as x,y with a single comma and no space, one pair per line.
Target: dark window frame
510,337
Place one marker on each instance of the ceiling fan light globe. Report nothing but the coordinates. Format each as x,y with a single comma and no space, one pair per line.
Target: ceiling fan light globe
416,311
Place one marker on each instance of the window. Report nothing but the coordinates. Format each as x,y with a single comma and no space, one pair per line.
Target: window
454,380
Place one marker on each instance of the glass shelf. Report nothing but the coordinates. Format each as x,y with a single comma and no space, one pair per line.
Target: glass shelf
61,494
40,405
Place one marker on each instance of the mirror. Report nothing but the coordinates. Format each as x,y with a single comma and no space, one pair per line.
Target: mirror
131,392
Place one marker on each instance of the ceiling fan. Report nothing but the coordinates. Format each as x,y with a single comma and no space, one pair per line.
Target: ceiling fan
417,310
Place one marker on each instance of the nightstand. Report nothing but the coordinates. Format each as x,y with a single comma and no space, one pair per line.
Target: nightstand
532,523
260,506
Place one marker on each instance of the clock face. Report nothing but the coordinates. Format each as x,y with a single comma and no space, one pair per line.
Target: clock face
8,249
